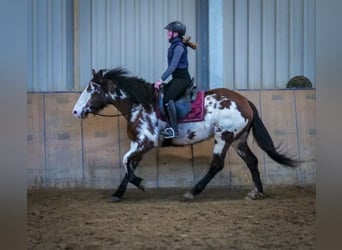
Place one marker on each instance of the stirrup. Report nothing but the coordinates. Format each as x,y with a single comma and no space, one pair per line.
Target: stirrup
168,133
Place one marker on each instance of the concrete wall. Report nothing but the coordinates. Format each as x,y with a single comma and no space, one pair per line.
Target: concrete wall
66,152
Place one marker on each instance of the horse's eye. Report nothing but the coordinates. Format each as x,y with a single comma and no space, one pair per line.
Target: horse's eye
89,88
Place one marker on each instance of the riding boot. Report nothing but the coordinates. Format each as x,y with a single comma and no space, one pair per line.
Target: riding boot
172,130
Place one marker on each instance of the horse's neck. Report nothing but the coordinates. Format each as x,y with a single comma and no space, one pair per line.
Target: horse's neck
123,105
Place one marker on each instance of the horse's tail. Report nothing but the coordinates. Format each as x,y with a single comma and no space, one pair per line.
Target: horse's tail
265,142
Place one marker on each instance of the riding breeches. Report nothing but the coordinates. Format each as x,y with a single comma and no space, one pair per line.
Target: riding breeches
176,87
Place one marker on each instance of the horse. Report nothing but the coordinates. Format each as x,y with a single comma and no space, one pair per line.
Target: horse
228,117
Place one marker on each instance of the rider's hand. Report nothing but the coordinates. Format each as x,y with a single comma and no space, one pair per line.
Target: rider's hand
158,83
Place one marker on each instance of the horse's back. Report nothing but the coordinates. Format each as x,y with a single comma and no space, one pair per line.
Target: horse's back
230,94
241,102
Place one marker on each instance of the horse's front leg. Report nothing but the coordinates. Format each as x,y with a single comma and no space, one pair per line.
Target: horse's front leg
131,160
131,177
121,190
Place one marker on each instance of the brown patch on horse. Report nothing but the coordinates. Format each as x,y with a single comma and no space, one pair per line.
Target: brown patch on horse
131,132
227,136
225,104
191,134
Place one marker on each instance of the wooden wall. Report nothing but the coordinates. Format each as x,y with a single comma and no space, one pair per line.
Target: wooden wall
67,152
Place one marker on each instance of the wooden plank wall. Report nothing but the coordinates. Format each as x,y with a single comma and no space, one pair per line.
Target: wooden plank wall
101,151
63,147
35,141
66,152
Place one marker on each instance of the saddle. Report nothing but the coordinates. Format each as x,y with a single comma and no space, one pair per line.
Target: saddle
183,103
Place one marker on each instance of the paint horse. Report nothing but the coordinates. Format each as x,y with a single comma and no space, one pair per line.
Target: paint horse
228,117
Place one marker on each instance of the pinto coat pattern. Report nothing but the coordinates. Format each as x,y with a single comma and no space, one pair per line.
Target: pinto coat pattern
228,117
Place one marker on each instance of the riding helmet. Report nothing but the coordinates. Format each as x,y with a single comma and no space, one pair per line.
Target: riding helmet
176,26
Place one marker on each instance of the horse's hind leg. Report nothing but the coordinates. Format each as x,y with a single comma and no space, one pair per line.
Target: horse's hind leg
121,190
251,161
222,143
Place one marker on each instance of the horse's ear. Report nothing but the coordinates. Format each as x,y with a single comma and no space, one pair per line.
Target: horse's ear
101,71
94,72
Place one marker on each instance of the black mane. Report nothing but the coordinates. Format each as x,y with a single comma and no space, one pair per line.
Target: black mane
137,88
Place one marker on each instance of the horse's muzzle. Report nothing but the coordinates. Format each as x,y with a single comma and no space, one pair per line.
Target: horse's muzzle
80,114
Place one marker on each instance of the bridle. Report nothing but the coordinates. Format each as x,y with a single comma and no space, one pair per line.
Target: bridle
98,114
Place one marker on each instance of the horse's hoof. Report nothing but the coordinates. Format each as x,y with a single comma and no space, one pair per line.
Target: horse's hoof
189,196
115,199
254,195
142,185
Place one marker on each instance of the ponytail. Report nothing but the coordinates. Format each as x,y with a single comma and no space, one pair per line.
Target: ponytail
186,41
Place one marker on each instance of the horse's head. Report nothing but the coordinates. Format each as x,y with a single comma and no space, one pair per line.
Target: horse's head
94,97
112,88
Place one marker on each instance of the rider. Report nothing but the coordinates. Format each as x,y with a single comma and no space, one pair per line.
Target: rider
177,57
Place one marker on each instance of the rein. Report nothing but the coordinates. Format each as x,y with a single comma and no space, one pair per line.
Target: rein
122,114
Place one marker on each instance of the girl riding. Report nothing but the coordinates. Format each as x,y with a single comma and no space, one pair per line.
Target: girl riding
177,58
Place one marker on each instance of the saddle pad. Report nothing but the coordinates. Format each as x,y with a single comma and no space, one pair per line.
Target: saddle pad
197,110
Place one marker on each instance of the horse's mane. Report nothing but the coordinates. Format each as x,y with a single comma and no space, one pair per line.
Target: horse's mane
138,89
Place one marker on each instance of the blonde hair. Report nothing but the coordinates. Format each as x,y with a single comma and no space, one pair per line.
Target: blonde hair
186,41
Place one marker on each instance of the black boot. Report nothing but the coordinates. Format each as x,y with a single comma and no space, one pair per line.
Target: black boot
172,130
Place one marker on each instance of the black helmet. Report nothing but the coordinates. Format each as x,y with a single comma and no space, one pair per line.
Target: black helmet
176,27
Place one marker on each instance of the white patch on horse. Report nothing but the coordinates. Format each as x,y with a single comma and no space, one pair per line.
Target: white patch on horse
143,128
122,95
133,148
83,100
189,133
210,102
194,132
218,147
135,112
231,119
